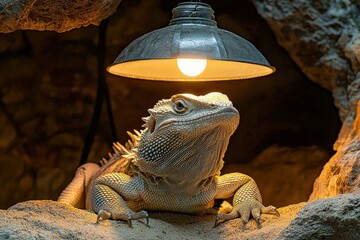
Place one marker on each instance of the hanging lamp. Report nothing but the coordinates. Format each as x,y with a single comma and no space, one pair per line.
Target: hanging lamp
191,48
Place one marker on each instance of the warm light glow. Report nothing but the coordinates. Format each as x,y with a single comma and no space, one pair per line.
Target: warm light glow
191,67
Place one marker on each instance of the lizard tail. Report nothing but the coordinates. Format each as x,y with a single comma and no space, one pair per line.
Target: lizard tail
74,193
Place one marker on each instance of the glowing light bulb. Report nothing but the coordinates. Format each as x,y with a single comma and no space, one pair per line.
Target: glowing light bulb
191,67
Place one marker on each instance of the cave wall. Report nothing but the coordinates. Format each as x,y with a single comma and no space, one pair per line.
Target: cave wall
48,87
323,38
47,96
60,16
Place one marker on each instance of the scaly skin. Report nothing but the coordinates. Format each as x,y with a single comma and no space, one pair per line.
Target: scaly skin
172,165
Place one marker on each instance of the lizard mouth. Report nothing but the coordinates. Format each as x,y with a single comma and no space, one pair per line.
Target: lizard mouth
210,116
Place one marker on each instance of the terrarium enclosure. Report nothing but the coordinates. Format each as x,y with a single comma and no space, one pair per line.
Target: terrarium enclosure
292,122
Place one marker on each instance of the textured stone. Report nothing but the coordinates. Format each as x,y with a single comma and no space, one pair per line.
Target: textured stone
52,220
47,95
138,15
57,16
278,169
323,38
13,162
14,166
342,173
332,218
48,182
7,133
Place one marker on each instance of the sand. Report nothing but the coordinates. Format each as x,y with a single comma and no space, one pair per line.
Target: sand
44,219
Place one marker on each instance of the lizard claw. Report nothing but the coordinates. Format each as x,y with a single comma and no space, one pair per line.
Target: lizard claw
147,220
244,222
219,219
103,215
255,213
129,217
225,216
244,210
138,215
129,220
270,210
257,220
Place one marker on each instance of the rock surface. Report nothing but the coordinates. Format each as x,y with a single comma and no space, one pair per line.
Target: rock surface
332,218
342,173
323,38
57,16
52,220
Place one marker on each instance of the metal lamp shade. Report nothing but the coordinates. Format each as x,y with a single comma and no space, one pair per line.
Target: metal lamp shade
193,34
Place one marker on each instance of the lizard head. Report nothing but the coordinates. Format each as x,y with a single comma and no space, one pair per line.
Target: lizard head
187,136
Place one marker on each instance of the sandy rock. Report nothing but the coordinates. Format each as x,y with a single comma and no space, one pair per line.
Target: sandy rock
317,36
57,16
52,220
332,218
341,173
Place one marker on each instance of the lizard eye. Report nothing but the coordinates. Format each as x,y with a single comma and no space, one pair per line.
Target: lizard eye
180,106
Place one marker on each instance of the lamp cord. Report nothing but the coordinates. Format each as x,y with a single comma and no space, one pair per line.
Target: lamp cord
101,93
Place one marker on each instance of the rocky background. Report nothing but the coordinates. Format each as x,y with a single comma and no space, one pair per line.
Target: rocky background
48,88
291,121
288,123
323,38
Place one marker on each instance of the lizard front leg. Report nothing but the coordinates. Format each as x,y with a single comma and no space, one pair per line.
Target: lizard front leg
247,199
110,193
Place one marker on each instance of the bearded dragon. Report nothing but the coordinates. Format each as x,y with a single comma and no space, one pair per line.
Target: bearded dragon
173,164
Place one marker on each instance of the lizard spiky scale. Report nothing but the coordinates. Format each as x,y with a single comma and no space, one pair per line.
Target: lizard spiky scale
172,165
